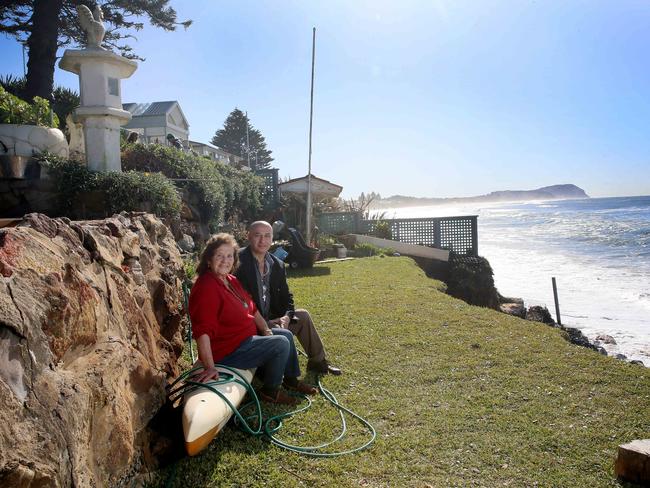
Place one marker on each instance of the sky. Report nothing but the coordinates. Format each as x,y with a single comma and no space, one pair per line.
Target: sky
428,98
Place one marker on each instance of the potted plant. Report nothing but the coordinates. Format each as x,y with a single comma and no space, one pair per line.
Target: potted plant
27,129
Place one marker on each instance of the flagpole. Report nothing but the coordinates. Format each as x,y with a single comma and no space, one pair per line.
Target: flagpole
311,117
248,144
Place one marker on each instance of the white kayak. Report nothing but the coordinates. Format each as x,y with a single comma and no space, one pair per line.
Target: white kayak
205,412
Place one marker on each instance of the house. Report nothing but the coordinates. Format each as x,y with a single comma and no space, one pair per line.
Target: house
217,154
155,121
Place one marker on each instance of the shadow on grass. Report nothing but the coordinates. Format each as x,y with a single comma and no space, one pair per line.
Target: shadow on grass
304,272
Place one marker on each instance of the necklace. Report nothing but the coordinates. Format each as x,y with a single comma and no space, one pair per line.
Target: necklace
235,293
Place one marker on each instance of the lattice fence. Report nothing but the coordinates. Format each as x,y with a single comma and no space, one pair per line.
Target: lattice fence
270,190
339,222
458,234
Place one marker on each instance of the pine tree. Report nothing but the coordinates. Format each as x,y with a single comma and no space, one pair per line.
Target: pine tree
46,25
232,138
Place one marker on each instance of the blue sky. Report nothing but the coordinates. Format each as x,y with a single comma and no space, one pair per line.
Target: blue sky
435,98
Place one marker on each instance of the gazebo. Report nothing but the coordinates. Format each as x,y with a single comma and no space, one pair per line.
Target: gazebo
321,190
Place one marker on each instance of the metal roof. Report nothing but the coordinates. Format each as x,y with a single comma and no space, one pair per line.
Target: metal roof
146,109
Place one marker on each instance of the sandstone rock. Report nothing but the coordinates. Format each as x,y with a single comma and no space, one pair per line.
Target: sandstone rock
514,308
576,336
607,339
633,462
537,313
87,344
186,243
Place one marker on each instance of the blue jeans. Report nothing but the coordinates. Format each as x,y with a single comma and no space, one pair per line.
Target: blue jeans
276,354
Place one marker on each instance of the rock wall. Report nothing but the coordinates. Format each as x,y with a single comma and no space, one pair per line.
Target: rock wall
90,330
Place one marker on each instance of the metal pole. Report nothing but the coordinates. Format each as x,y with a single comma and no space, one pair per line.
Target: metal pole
248,143
557,303
311,117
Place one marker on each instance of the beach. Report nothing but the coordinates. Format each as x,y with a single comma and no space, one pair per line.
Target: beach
598,250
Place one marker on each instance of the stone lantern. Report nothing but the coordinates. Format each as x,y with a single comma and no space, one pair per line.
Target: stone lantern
100,112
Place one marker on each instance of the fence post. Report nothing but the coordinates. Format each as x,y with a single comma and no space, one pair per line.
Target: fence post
437,233
475,235
557,302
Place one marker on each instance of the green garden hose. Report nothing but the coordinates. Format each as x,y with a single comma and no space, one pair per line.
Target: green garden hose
267,428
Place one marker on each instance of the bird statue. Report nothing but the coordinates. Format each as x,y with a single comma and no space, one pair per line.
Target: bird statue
92,23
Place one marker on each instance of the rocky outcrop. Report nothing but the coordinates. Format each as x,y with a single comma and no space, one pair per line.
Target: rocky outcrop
512,306
471,280
537,313
90,330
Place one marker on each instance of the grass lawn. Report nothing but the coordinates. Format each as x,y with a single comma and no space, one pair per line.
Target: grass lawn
459,395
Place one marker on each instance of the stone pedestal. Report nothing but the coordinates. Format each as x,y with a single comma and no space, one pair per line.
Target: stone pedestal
101,113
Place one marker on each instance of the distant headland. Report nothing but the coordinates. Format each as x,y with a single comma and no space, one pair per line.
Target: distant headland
554,192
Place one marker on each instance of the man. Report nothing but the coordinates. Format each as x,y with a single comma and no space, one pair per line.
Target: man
264,277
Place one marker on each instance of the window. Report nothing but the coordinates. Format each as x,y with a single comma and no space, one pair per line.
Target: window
114,87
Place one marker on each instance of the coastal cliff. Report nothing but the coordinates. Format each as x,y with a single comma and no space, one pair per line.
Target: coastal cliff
554,192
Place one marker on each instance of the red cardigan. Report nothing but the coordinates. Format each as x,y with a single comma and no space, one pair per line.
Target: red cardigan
215,311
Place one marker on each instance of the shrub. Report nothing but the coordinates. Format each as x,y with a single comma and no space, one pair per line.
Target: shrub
471,279
366,250
130,191
190,263
382,230
13,110
223,192
64,100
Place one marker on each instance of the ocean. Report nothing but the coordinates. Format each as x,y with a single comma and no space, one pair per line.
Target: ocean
598,250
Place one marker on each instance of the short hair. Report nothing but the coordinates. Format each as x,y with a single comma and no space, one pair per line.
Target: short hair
259,222
212,245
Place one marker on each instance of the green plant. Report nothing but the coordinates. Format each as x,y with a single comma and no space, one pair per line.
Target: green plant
189,267
64,100
382,230
131,190
366,250
13,110
326,240
223,192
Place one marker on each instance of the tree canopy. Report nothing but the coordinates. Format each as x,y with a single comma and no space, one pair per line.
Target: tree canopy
46,25
232,138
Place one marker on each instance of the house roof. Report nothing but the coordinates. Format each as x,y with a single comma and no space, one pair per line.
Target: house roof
196,143
314,179
146,109
320,188
153,109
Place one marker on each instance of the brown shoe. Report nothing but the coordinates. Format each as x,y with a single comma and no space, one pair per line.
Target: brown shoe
323,367
301,387
280,398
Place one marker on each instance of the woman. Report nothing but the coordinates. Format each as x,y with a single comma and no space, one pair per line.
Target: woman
229,330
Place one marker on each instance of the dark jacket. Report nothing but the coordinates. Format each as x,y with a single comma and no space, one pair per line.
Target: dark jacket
281,298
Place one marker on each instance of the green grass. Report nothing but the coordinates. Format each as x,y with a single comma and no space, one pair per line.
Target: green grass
459,395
